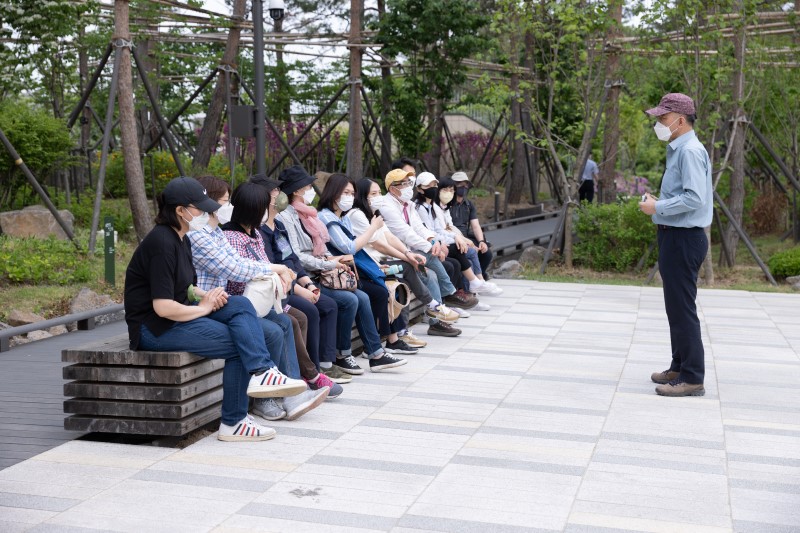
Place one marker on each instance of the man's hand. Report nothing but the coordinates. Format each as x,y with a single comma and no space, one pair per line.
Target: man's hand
483,247
648,207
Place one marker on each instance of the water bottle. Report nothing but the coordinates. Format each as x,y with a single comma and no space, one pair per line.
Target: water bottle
394,270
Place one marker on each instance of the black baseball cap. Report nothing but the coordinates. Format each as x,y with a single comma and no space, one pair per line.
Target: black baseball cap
188,191
262,179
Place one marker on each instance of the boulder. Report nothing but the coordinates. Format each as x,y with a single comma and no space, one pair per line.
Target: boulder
793,280
508,270
532,256
38,335
23,318
86,300
57,330
35,221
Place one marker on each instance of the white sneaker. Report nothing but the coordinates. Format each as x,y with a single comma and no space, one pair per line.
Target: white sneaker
298,405
268,409
482,307
273,383
486,289
442,312
462,313
246,430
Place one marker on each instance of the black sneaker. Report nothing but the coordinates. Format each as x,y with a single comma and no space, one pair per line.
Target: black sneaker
399,347
385,362
461,301
348,365
443,329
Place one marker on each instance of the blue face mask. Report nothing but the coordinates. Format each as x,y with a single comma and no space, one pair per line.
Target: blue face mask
461,192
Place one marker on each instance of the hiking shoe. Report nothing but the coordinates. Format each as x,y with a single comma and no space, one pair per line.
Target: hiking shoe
348,365
336,375
400,347
442,312
461,300
324,381
443,329
298,405
462,313
662,378
482,307
385,362
248,429
273,383
268,409
680,388
409,338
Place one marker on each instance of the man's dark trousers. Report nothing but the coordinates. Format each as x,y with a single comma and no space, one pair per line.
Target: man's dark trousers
680,254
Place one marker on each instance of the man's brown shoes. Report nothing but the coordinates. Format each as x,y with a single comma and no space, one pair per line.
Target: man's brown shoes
662,378
675,388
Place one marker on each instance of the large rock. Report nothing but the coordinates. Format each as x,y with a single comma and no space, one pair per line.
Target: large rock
86,300
35,221
508,270
22,318
793,280
532,256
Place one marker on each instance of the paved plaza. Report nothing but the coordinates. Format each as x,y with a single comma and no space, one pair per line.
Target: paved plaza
540,417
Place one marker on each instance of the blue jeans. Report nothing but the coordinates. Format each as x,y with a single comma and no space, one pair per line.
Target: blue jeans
321,339
472,256
446,287
232,333
355,306
279,337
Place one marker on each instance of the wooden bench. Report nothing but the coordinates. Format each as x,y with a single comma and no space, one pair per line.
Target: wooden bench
118,390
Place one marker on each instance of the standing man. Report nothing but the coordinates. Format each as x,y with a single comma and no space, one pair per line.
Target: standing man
684,209
590,172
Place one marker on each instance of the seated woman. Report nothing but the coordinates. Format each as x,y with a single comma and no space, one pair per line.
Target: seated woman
336,199
320,310
165,312
387,249
308,238
250,202
216,263
434,218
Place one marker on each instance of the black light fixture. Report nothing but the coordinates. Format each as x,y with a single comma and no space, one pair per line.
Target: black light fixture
276,9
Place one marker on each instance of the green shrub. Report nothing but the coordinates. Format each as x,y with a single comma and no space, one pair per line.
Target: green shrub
786,263
163,170
82,208
613,236
31,260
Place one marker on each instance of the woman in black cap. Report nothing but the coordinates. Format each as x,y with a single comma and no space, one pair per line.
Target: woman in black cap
166,312
308,237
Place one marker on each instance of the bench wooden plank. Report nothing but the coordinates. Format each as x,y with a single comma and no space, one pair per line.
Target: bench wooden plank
144,391
143,374
143,426
134,409
115,351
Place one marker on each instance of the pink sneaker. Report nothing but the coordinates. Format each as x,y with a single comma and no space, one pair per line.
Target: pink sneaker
325,381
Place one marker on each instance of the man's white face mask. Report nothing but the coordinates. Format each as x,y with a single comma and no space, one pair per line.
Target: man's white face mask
664,132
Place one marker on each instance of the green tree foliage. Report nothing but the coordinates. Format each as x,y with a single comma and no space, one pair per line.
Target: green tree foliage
42,141
433,37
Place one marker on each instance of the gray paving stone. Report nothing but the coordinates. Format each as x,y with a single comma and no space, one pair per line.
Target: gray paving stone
183,478
455,430
553,409
305,514
767,486
575,437
30,501
448,525
659,463
568,379
743,526
506,464
369,464
692,443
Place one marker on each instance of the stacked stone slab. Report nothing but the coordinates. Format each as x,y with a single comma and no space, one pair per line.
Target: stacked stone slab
118,390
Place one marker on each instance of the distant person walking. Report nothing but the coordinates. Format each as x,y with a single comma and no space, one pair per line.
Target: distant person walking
684,209
586,190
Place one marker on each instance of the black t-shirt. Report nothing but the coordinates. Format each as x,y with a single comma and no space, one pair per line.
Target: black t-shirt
462,213
161,268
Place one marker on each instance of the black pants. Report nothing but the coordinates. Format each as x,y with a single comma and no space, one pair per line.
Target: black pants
484,258
586,191
452,266
379,301
680,254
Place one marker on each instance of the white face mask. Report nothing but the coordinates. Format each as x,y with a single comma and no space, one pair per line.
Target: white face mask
224,213
309,196
345,202
406,194
376,202
664,132
445,196
197,223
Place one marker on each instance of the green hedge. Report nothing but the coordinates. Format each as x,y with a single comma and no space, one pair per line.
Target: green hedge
613,236
786,263
31,260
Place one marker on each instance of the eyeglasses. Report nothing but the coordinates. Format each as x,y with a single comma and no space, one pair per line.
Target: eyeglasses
402,184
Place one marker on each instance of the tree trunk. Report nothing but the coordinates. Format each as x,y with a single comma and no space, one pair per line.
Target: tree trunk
134,176
608,165
736,198
281,80
436,139
518,157
355,139
533,153
386,104
207,141
81,178
147,125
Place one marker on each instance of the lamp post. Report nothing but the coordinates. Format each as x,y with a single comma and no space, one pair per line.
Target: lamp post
276,11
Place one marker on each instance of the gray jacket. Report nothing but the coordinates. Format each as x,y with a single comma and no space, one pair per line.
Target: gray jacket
301,242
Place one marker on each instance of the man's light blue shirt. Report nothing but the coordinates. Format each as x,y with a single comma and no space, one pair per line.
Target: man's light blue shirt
590,171
687,199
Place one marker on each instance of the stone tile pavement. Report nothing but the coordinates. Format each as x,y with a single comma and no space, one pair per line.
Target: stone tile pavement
540,417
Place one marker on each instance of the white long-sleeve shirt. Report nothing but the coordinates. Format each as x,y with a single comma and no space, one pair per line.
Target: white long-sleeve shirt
438,225
413,233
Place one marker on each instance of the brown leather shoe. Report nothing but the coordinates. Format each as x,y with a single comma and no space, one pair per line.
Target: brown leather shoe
662,378
675,388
